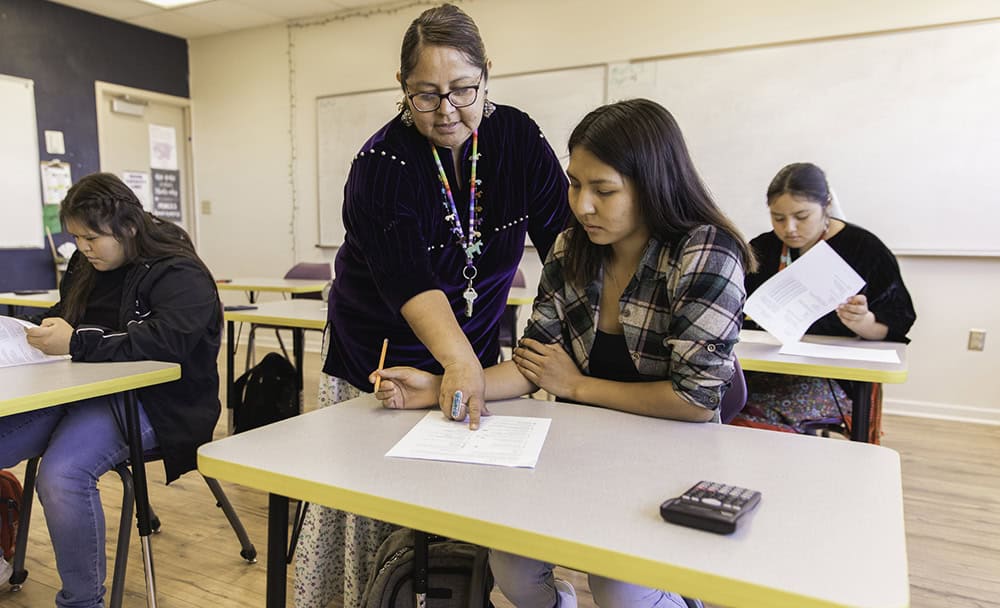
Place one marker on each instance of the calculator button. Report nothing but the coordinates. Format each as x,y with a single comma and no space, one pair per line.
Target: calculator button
712,502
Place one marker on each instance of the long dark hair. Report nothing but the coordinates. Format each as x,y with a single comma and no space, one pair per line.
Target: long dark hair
445,25
801,180
640,140
105,205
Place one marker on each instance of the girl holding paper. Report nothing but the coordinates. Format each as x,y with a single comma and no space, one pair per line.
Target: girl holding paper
799,202
135,290
638,309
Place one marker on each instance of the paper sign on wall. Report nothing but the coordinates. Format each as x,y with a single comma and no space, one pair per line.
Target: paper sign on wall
167,194
162,147
56,181
138,181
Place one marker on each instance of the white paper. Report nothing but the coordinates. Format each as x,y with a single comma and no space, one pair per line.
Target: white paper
508,441
14,347
793,299
831,351
138,181
56,181
162,147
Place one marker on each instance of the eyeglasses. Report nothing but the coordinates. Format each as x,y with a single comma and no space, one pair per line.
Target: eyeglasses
458,98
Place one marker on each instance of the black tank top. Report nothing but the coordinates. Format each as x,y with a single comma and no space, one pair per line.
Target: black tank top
611,360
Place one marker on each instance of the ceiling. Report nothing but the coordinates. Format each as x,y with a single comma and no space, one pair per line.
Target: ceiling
214,16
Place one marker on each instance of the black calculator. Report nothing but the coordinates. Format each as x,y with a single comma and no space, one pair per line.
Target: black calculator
711,506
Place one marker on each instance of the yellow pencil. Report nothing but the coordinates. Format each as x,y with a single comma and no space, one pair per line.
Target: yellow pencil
381,362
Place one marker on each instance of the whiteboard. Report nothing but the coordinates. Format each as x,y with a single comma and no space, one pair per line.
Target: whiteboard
906,125
556,100
20,177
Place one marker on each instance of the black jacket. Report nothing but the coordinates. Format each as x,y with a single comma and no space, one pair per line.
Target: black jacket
171,312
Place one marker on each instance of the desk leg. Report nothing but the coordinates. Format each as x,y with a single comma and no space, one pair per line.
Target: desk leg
230,375
860,411
277,547
420,568
141,492
298,352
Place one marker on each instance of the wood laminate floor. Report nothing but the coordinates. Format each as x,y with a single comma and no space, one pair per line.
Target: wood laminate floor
951,489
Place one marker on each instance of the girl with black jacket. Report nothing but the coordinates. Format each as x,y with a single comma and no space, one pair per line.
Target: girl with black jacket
134,290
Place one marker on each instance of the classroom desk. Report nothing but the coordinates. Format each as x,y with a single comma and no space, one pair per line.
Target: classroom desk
296,315
253,286
41,300
822,535
519,296
758,352
33,387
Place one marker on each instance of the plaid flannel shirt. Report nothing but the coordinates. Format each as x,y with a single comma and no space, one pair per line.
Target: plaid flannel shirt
681,312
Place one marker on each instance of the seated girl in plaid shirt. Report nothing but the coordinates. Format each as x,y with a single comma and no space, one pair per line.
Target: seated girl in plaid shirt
638,309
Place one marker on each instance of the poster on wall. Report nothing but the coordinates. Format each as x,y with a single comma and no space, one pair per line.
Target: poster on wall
162,147
56,181
138,181
167,194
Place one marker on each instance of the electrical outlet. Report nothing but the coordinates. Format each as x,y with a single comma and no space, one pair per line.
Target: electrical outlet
206,207
977,339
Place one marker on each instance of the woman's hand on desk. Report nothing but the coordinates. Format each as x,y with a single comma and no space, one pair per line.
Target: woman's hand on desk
51,337
854,314
468,378
547,366
406,388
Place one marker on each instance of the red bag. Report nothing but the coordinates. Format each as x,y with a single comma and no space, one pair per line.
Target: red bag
10,510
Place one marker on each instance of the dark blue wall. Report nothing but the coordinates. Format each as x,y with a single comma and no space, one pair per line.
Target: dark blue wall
64,51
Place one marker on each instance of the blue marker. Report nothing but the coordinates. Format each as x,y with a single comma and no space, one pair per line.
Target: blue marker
456,405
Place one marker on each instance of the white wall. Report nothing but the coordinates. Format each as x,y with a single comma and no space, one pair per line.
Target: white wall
254,95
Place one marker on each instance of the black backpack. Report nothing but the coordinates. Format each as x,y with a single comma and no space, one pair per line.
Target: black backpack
266,393
458,574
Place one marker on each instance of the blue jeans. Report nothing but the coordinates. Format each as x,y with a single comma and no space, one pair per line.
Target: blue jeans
79,442
528,583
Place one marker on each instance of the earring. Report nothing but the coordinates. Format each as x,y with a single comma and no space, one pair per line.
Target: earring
406,117
489,108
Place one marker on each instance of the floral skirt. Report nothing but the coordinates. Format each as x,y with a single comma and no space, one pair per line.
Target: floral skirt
335,553
795,404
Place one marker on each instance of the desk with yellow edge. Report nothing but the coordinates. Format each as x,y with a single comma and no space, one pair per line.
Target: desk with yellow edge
592,502
758,352
33,387
40,299
254,286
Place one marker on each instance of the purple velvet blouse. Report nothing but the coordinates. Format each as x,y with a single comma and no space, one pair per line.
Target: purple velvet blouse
398,243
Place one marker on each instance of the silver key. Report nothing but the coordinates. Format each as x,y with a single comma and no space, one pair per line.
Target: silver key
470,296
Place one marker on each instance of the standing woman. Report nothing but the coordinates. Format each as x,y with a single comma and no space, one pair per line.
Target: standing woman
799,200
436,209
638,310
134,290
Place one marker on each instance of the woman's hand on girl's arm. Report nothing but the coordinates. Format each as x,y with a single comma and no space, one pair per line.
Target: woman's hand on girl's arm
406,388
51,337
547,366
856,316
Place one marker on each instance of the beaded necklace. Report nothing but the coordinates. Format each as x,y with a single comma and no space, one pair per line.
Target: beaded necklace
469,241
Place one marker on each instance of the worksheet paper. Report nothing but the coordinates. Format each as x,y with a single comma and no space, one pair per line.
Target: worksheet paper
507,441
831,351
793,299
14,347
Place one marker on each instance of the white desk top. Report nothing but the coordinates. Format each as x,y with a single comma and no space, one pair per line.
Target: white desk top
758,352
32,387
273,285
40,300
828,531
307,314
